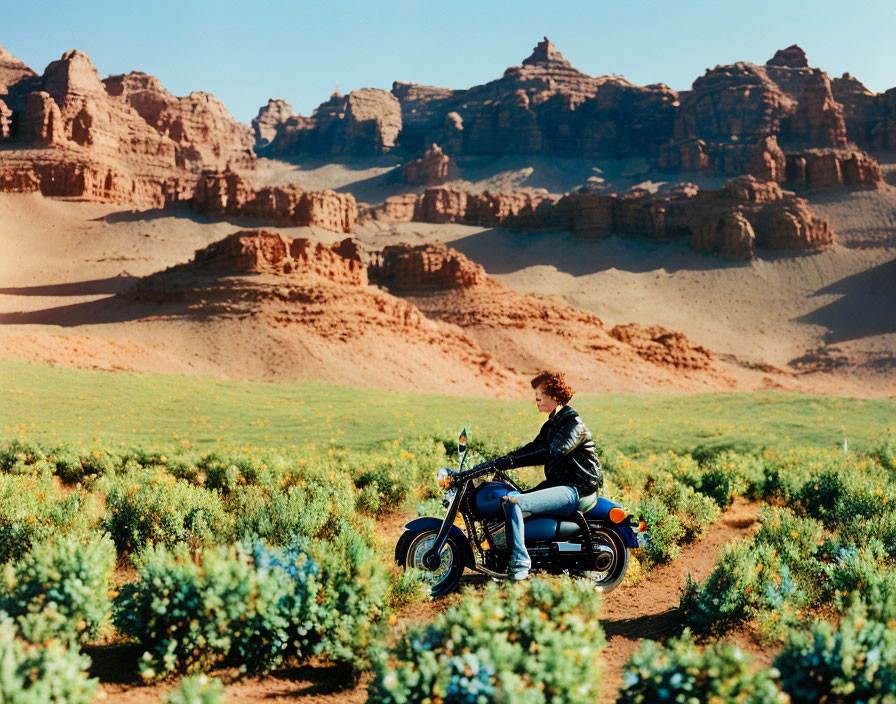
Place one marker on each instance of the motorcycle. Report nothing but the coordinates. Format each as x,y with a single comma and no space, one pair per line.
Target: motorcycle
592,541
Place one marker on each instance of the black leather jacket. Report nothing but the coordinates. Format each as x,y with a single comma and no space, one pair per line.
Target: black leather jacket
566,449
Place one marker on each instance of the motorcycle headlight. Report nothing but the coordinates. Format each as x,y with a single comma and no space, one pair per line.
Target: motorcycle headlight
443,478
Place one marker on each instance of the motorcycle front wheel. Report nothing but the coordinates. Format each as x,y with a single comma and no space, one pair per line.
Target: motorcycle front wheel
413,545
611,563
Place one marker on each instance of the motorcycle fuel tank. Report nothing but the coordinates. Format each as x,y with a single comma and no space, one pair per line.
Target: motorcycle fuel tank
488,498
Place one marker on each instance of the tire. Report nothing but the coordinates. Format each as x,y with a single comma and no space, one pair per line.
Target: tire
608,579
414,544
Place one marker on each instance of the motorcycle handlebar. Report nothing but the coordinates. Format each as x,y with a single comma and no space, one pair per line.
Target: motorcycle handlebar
477,471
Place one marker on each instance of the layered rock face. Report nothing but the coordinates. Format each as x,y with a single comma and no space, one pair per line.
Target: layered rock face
364,122
264,125
745,215
227,193
725,123
206,134
433,168
424,267
661,346
545,105
125,139
870,117
266,252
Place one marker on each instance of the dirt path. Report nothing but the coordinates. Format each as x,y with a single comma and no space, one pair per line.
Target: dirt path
649,609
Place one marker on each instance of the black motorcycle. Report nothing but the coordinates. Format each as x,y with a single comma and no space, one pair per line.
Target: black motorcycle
592,541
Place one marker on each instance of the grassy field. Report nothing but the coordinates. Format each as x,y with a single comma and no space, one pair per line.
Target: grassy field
54,404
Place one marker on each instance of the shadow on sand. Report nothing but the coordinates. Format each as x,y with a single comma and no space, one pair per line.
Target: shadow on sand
867,306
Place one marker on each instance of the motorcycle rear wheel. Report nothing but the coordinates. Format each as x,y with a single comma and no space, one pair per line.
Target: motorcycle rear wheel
415,544
611,576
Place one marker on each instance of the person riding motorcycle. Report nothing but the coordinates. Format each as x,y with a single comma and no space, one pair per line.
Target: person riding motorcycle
571,466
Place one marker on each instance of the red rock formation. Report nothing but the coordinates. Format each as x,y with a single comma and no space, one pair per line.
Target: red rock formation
263,251
727,120
12,71
264,125
731,236
544,105
791,57
227,193
206,134
5,121
424,267
433,168
745,214
123,140
661,346
364,122
832,167
870,117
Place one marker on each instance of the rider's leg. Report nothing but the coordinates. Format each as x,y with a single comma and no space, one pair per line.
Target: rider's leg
555,498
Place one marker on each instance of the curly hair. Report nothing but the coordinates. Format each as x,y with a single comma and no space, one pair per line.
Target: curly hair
555,386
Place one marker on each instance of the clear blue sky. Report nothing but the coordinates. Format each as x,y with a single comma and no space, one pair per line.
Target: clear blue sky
247,52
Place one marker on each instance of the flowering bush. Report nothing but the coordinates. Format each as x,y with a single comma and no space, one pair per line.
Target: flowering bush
154,507
852,663
32,509
50,673
681,671
191,615
255,606
772,577
530,643
63,581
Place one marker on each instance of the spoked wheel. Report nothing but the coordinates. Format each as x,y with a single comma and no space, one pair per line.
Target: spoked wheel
610,563
446,576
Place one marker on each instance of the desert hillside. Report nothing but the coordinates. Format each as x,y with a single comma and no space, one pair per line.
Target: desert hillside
739,235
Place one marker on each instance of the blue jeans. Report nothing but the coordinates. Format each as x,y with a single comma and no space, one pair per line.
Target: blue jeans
555,499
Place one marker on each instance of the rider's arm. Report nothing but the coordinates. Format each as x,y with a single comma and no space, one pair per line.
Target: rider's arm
532,452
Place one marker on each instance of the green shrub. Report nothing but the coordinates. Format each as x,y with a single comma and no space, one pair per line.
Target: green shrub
837,495
20,457
861,574
884,451
385,487
530,643
749,580
681,671
190,615
729,475
315,507
41,674
675,514
33,509
65,581
352,600
256,606
154,507
853,663
409,586
665,530
197,689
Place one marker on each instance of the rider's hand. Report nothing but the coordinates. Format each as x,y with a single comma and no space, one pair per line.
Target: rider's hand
505,462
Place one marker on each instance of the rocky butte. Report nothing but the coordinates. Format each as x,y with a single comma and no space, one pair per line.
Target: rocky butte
123,139
784,121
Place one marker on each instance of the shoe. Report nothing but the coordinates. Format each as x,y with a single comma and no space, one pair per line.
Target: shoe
519,575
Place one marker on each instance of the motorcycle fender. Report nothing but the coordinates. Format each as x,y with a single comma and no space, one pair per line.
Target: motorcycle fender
626,533
460,538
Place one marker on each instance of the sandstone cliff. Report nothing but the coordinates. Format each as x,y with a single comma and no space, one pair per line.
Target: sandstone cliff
745,215
227,193
125,139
